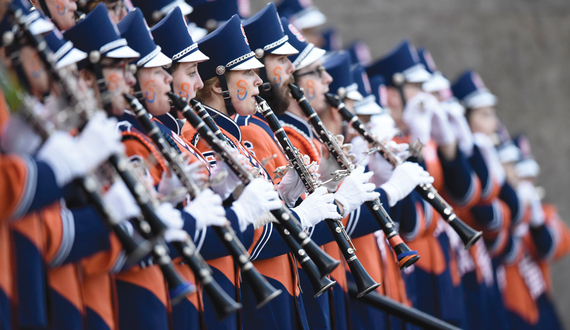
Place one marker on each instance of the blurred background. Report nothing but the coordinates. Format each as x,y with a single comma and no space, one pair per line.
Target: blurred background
521,49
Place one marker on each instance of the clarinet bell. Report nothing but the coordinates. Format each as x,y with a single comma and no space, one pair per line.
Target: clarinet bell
319,284
364,282
324,262
264,292
405,256
181,291
467,234
135,249
223,303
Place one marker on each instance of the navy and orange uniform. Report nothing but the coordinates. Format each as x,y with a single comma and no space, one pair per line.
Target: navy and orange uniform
45,245
458,184
269,253
361,226
141,291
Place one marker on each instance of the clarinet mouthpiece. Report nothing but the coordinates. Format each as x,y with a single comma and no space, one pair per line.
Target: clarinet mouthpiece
296,92
176,100
333,100
259,99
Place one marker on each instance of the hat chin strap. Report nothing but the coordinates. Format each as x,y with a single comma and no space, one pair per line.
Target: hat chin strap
104,93
226,95
45,9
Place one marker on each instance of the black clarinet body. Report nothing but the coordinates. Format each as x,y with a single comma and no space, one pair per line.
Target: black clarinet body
467,234
223,303
363,280
263,290
135,249
287,227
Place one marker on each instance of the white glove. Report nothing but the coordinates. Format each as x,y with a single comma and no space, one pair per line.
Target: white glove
121,202
257,198
383,126
329,165
291,187
441,131
263,220
527,193
70,158
417,116
172,218
207,209
316,207
460,127
226,186
98,140
381,168
18,137
169,181
404,179
355,190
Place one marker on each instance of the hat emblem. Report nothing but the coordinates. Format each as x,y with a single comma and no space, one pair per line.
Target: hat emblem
244,36
477,81
259,53
220,70
383,94
296,32
366,83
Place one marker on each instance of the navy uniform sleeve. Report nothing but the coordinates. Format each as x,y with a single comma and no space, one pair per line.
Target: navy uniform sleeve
543,240
479,166
84,234
509,196
459,179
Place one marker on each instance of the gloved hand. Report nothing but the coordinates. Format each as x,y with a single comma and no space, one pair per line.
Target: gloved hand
316,207
121,202
207,209
291,187
528,194
169,181
71,158
383,127
227,185
263,220
441,131
355,190
417,116
172,218
460,127
257,198
381,168
404,179
328,165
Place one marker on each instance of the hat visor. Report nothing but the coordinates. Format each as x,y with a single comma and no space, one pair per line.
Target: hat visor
184,7
527,168
285,49
420,75
123,52
368,108
251,63
436,83
314,54
196,56
159,60
309,18
509,154
354,95
196,32
480,100
73,56
41,26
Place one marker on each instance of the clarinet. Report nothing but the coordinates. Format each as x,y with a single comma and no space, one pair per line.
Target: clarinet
320,283
287,227
178,288
135,250
224,304
467,234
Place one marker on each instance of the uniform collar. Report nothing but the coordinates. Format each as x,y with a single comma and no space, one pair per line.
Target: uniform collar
297,122
170,122
224,122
